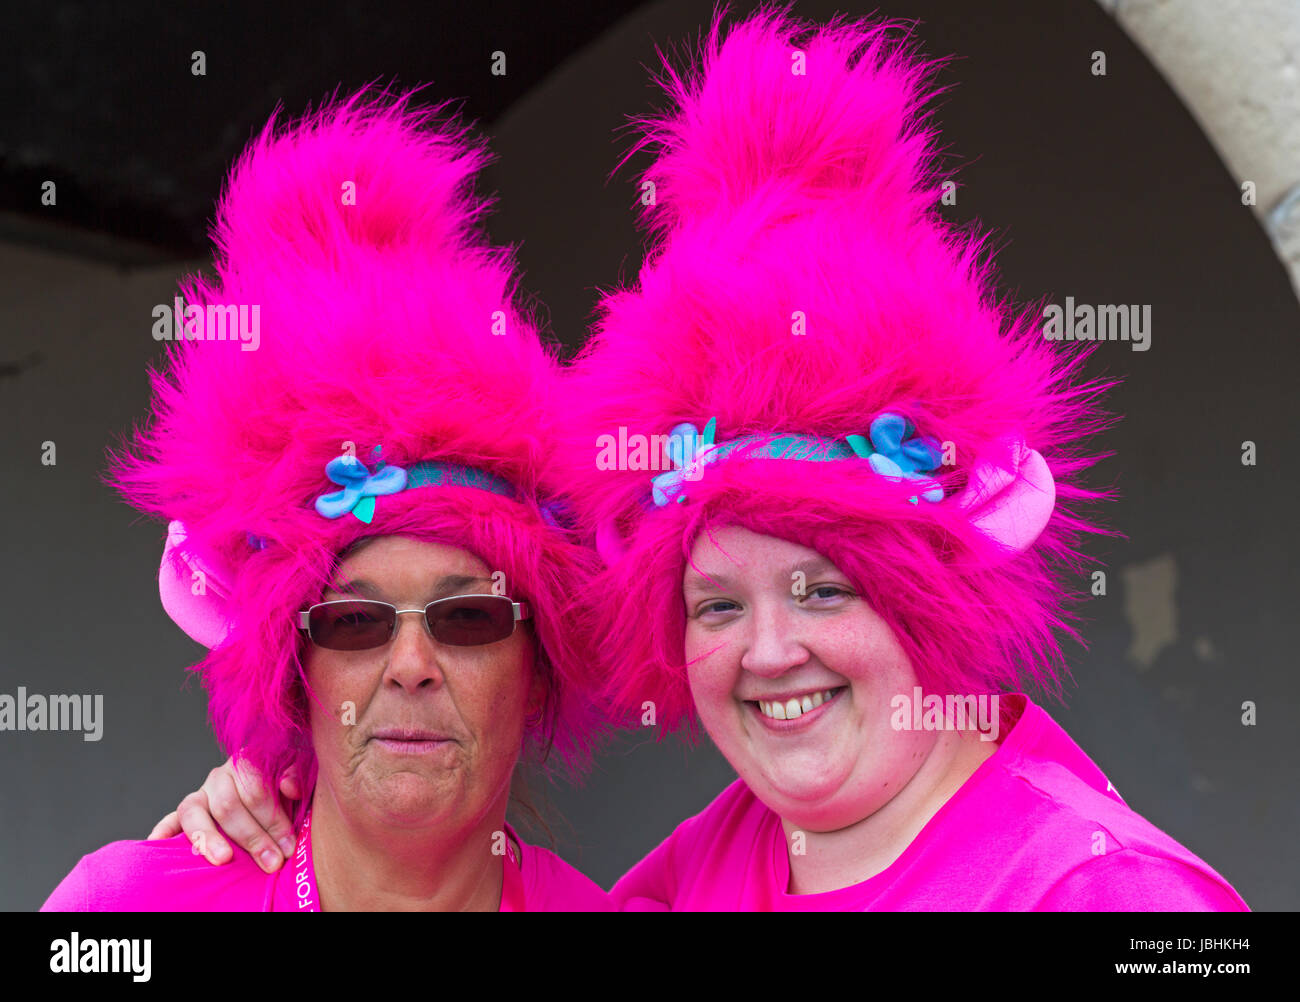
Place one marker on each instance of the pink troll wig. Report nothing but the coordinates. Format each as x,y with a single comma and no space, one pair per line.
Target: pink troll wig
801,282
386,323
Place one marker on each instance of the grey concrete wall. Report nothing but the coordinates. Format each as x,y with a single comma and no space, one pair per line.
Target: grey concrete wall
1236,66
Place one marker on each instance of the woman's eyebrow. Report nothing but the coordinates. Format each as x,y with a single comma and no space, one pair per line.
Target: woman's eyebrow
447,584
357,586
453,583
811,566
696,581
714,582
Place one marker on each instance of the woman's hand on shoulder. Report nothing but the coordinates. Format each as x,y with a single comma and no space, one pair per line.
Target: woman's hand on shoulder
236,802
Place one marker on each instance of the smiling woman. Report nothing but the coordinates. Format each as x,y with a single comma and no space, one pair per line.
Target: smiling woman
389,630
877,523
796,691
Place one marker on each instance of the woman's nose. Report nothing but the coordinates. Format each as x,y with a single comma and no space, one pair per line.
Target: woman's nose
772,646
414,657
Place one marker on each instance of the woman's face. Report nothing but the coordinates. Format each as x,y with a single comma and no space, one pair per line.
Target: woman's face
417,733
752,638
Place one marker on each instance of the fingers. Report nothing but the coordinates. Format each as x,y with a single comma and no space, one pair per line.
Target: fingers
196,821
264,804
229,793
166,828
290,786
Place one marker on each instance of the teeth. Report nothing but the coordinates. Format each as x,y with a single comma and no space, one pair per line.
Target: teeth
794,708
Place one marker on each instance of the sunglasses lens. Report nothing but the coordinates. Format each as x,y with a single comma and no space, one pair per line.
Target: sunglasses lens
472,620
352,626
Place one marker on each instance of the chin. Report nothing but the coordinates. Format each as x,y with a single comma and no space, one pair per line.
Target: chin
411,798
819,808
805,791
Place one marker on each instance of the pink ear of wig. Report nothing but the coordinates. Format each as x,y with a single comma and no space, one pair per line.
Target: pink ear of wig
802,281
386,321
205,612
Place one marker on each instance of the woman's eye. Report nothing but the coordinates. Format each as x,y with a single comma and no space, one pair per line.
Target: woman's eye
718,607
467,615
826,593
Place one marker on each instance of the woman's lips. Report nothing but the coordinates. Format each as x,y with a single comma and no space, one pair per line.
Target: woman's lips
410,742
806,718
403,747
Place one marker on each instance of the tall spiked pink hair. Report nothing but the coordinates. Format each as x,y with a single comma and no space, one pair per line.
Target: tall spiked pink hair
386,323
801,282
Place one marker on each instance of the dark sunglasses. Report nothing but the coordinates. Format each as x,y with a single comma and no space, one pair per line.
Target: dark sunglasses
459,621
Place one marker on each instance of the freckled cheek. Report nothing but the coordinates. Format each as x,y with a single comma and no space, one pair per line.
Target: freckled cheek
498,708
713,672
494,706
340,691
865,654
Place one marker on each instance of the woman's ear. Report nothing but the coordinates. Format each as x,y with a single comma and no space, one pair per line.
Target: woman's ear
539,687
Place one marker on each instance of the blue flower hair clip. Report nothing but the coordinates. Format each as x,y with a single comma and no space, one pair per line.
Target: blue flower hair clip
360,487
893,455
689,450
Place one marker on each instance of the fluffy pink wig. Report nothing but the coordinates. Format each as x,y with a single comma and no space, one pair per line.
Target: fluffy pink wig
386,321
802,282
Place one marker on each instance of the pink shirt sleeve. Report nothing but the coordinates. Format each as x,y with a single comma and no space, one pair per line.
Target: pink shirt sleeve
647,887
160,876
72,894
1131,881
652,885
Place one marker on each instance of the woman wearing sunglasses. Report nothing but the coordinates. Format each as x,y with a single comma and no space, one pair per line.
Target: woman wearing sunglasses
356,533
855,567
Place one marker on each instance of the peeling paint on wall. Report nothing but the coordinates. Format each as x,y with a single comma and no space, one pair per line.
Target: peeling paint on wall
1149,607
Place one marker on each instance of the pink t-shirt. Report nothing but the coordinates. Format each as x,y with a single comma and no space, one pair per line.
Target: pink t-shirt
168,876
1037,827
